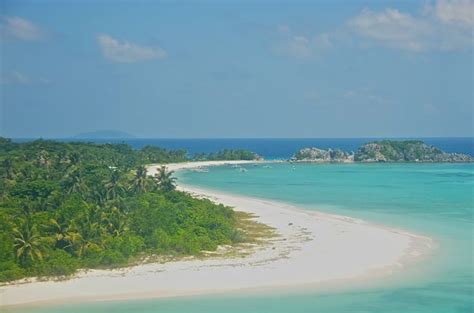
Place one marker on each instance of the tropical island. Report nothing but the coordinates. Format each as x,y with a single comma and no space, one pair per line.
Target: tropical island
69,206
382,151
113,221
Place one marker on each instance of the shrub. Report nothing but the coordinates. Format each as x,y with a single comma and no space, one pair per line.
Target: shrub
10,271
127,245
113,258
57,263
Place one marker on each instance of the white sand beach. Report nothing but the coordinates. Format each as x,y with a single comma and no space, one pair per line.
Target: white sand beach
312,249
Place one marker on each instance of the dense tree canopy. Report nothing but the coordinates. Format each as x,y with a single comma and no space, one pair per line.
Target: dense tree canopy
65,206
228,154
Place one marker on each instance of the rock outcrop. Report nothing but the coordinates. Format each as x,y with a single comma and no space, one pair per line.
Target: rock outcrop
382,151
319,155
406,151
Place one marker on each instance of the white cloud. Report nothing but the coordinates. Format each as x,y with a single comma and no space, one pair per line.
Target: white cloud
324,40
299,46
393,28
18,78
454,23
445,25
126,52
20,29
460,12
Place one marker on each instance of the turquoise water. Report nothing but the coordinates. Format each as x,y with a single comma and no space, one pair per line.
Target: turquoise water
436,200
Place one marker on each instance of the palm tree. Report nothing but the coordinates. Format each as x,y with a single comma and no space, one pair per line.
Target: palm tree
26,210
74,159
8,169
164,179
140,181
99,196
3,190
25,172
74,183
43,159
28,243
114,221
113,185
64,234
88,233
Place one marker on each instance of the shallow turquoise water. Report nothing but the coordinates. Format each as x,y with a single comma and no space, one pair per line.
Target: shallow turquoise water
431,199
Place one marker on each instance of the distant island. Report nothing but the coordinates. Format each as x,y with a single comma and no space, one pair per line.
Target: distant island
104,134
382,151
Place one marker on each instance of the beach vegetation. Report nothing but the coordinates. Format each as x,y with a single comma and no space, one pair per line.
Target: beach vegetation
228,154
164,179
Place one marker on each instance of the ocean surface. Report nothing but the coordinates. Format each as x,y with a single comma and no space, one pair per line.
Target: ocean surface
435,200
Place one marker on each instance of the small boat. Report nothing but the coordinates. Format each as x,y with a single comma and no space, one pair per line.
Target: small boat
242,170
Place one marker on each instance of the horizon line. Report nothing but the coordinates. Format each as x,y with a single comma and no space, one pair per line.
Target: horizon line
235,138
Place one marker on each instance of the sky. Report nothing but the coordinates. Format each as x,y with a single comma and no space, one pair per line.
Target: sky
237,69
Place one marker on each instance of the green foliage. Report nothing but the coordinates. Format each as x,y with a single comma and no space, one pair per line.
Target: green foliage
228,154
405,151
57,263
179,223
65,206
164,179
10,270
28,243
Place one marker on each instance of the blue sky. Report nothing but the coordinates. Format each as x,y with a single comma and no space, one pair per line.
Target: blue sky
237,68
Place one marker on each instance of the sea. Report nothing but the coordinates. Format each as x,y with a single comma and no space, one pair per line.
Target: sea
435,200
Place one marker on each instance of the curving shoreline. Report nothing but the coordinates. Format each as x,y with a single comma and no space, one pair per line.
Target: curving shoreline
313,249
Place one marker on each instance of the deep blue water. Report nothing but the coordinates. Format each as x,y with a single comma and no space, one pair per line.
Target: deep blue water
281,148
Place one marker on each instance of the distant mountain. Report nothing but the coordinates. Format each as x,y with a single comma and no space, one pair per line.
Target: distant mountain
316,155
104,134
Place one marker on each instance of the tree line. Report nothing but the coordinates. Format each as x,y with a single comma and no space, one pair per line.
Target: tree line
227,154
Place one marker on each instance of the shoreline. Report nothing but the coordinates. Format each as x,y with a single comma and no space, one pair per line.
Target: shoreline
326,249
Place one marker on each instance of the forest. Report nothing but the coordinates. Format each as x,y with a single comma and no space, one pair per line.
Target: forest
66,206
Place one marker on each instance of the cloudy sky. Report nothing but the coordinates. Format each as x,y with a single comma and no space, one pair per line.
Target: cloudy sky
237,68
